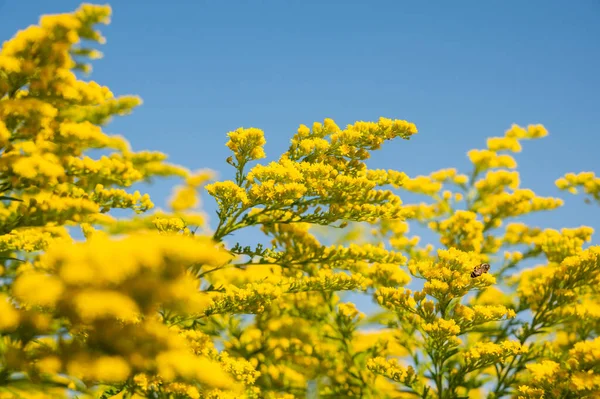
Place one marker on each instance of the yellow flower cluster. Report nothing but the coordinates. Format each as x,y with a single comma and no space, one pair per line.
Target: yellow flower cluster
387,275
349,311
531,132
493,296
186,196
504,144
251,299
9,318
520,202
247,144
49,120
462,230
555,285
520,233
487,159
578,375
586,180
351,143
449,276
393,370
560,245
102,280
327,280
387,339
496,181
469,317
31,239
588,311
443,330
483,354
398,235
228,194
399,299
422,185
118,198
166,310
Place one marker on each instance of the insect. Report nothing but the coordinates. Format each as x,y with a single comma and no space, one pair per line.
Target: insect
479,270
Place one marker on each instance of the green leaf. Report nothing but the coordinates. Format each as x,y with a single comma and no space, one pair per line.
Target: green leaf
10,258
4,197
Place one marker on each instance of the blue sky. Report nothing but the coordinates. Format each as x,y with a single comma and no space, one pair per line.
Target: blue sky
462,71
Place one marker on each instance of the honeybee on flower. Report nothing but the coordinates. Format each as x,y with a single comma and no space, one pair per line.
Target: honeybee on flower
479,270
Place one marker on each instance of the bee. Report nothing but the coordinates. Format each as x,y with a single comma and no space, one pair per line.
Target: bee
479,270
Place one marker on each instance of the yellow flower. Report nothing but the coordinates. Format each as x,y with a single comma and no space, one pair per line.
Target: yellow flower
486,159
247,144
111,368
504,143
543,371
228,194
49,365
38,289
105,368
92,305
9,316
585,180
184,198
183,364
393,370
349,311
199,178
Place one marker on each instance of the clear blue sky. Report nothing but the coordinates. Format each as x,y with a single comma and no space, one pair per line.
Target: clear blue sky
462,71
